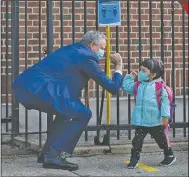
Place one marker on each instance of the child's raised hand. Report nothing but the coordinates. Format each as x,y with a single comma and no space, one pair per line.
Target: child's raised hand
165,121
134,73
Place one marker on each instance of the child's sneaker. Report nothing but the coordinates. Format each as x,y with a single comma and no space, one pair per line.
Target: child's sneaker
133,163
168,160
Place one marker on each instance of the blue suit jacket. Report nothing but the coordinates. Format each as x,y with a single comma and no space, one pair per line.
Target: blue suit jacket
59,78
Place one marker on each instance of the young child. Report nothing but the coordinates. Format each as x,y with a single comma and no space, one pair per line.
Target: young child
147,116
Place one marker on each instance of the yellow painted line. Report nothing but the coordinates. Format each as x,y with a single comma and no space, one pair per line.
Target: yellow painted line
143,166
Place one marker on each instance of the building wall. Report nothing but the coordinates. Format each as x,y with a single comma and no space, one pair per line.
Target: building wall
35,52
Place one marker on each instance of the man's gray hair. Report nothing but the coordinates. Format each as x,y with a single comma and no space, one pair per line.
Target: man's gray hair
92,36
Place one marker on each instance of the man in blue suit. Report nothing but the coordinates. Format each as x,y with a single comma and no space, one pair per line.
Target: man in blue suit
54,84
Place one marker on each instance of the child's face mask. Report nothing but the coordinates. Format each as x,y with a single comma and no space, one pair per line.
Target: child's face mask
143,76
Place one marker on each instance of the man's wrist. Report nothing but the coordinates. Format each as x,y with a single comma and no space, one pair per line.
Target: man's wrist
118,71
118,67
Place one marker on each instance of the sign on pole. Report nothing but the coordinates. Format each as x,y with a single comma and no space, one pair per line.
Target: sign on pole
109,13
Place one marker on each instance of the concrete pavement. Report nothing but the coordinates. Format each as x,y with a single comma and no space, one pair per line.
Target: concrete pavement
99,165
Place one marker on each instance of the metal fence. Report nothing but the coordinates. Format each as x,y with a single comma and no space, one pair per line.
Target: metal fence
10,118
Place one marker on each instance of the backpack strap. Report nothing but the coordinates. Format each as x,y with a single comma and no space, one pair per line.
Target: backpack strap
136,89
159,86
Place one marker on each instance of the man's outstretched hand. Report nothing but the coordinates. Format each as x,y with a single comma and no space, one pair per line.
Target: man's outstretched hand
116,59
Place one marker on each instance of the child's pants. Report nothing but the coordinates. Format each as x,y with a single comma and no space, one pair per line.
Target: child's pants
156,132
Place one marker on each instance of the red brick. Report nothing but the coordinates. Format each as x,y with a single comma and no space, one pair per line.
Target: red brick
33,30
3,97
5,85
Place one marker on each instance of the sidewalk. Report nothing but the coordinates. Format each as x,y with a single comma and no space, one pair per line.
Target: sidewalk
121,146
20,162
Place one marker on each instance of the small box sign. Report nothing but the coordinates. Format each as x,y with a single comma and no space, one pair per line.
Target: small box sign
109,13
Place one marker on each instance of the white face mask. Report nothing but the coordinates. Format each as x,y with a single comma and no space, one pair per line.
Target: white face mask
100,54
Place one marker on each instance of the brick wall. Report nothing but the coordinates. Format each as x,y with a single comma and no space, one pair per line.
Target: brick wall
33,36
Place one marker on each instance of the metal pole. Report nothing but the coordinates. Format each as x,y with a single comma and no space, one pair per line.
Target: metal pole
7,74
97,86
140,33
162,31
61,21
86,87
184,70
40,116
73,21
129,64
26,65
49,47
15,61
49,26
173,58
150,21
1,71
118,107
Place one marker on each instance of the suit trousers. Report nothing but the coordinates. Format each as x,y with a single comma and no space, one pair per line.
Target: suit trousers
65,130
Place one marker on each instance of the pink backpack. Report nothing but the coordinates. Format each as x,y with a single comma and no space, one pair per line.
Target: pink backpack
159,86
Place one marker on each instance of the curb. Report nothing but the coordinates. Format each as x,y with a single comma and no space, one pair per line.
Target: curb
147,148
99,150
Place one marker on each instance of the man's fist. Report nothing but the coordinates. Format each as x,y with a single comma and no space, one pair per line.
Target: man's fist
116,59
